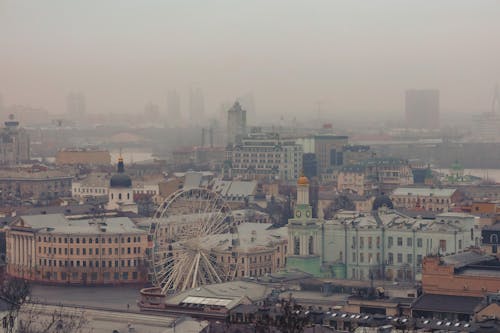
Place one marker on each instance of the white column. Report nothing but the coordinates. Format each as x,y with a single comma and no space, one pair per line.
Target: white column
22,250
13,249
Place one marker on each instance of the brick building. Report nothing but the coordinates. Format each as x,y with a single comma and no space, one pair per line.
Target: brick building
465,274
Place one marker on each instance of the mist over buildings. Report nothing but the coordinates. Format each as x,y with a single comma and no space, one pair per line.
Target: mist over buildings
333,59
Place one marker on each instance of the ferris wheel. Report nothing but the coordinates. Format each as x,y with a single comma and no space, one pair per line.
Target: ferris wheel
184,230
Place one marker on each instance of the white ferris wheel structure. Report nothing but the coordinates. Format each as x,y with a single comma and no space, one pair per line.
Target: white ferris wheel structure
184,230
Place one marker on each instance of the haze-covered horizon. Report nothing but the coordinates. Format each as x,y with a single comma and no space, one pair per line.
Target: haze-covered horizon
356,58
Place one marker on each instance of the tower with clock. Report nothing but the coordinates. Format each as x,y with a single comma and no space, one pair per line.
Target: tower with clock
303,209
304,234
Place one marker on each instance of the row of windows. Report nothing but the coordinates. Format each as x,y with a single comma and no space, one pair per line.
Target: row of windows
91,190
93,276
251,259
399,256
89,263
414,200
399,242
91,251
84,240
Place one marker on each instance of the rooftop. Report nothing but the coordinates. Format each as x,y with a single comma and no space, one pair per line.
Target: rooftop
447,303
58,223
425,191
227,294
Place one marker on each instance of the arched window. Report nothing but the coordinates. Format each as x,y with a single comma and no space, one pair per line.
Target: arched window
128,196
494,239
311,245
112,196
119,196
471,234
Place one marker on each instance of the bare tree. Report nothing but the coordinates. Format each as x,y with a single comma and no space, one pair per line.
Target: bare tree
26,316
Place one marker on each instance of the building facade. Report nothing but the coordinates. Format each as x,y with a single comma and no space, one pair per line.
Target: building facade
14,143
383,245
426,198
51,248
265,155
329,150
39,186
236,124
83,156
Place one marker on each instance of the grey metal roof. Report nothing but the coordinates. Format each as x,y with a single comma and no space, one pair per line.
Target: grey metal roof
447,303
463,259
235,188
425,191
58,223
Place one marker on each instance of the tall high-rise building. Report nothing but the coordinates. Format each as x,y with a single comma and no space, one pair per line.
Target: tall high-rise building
236,124
2,107
422,108
247,101
196,105
173,107
152,112
75,104
14,143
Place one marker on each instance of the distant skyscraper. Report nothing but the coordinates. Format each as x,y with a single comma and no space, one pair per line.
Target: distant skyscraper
173,107
236,124
422,109
247,101
196,105
152,112
75,104
2,107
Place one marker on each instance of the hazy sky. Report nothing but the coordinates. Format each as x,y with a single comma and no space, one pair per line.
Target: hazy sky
354,56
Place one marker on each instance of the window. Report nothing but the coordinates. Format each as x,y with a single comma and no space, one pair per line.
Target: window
494,239
419,259
400,241
390,258
361,242
125,276
419,242
409,242
442,245
370,240
389,242
400,258
296,246
459,244
117,276
361,257
409,258
311,245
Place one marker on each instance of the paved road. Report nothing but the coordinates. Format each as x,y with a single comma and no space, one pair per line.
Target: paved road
99,321
115,298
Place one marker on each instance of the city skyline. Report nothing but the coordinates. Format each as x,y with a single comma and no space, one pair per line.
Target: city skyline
352,58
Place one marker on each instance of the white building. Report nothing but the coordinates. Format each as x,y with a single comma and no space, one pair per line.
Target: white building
121,194
265,155
384,245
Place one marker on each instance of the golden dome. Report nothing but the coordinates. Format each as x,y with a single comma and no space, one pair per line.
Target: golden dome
303,180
